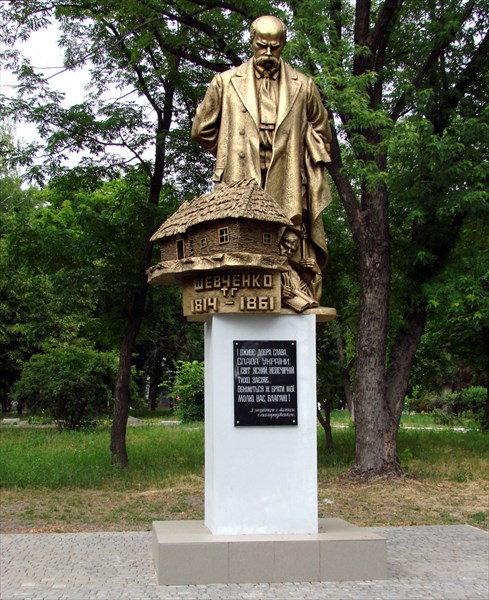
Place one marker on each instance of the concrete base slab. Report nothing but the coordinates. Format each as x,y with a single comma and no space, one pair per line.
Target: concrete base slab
186,552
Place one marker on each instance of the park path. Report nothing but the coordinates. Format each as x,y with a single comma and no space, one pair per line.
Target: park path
443,563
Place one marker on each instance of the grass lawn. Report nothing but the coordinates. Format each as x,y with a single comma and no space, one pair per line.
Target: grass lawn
341,418
63,481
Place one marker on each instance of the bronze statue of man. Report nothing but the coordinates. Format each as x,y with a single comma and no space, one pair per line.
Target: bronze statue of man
264,120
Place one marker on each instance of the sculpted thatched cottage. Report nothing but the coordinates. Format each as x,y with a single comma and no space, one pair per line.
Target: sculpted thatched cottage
223,249
238,226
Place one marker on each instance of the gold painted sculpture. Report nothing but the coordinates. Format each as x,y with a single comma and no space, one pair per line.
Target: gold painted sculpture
255,244
264,120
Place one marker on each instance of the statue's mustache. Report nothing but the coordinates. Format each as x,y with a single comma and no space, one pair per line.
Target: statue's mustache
267,61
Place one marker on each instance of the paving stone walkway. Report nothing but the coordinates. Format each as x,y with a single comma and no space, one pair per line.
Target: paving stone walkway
444,563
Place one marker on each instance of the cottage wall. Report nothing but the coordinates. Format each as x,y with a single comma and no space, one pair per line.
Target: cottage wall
252,237
175,247
168,250
243,235
226,235
206,237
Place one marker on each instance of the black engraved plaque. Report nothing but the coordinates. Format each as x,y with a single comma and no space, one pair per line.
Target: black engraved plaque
265,383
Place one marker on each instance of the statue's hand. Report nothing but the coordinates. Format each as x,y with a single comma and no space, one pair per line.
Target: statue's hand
310,264
287,291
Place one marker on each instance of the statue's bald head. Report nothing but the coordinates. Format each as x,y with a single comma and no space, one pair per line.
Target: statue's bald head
270,26
267,42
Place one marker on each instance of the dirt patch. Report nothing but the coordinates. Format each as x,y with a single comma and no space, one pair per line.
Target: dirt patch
381,503
406,502
74,510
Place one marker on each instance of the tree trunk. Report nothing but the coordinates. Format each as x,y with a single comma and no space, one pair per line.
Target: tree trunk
153,392
155,380
326,424
345,370
121,396
122,386
371,417
401,359
485,416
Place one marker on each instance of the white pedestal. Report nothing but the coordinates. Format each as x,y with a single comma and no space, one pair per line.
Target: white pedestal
259,479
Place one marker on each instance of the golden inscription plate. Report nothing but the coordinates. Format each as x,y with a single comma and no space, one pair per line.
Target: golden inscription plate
231,292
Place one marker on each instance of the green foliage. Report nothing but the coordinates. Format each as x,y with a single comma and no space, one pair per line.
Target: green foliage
73,383
138,406
188,390
459,299
69,260
406,85
148,48
444,416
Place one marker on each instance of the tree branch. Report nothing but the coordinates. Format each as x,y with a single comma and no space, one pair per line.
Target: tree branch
387,18
192,56
430,61
137,69
219,41
343,185
452,97
223,6
370,55
401,359
362,22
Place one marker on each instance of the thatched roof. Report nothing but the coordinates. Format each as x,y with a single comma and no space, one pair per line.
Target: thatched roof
240,200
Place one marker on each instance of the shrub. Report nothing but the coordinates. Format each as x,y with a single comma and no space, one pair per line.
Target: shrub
443,417
418,403
451,407
40,419
444,407
473,400
138,407
430,401
72,383
188,390
449,402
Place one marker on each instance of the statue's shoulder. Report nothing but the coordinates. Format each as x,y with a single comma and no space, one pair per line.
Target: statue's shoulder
240,71
226,76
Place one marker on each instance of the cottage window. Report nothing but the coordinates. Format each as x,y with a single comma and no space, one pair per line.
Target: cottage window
203,243
267,238
223,234
180,249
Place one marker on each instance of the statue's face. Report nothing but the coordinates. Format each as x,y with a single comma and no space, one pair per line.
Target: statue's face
267,44
289,244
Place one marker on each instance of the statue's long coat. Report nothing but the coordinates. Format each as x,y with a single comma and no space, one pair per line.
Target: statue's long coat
227,124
